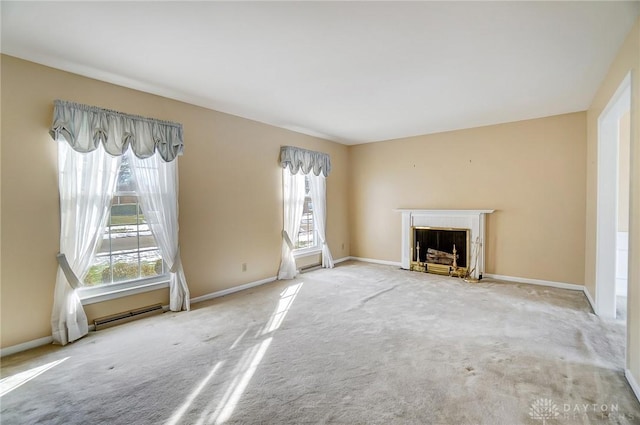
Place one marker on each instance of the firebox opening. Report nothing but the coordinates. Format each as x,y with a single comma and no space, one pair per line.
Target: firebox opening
435,246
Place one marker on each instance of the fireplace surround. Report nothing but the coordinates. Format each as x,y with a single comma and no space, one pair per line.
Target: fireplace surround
472,221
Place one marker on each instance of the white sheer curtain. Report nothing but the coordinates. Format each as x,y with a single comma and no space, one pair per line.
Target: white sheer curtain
86,183
157,188
318,191
294,192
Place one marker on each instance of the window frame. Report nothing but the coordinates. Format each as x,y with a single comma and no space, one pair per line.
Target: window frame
108,291
97,294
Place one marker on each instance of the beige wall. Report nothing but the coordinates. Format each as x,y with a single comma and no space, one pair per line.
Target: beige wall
230,194
531,172
627,60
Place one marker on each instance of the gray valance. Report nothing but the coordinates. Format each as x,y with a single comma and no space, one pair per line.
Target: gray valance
302,159
85,127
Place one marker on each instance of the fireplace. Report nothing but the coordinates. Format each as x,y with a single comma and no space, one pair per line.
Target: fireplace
472,222
440,250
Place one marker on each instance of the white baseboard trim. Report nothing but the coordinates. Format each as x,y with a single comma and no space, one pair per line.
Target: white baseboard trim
48,339
590,299
250,285
553,284
561,285
25,346
633,383
228,291
373,260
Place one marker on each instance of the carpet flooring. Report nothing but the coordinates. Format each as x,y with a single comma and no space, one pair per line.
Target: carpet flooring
357,344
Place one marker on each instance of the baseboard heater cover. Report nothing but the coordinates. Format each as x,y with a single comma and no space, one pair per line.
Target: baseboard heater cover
310,267
127,316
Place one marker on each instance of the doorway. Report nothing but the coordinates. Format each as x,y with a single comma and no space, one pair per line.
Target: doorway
622,236
612,203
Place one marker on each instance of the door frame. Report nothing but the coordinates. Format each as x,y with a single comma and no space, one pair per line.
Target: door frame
607,198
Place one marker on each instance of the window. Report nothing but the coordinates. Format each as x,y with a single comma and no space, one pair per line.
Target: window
128,251
304,209
307,238
107,248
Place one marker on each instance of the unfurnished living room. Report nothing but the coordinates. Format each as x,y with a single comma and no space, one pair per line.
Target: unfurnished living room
320,212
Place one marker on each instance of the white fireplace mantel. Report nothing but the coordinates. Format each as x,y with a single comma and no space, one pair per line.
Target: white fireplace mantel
474,220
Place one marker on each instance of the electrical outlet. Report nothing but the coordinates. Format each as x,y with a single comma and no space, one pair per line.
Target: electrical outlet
244,267
343,246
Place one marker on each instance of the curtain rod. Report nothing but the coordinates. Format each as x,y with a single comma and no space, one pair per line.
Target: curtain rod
112,112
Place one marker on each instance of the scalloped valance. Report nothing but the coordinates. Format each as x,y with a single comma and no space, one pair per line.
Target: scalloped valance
85,127
302,159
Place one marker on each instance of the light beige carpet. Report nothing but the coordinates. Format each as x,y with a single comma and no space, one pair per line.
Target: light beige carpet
358,344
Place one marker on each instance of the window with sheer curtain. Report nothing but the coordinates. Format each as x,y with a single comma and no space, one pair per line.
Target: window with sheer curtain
117,177
304,175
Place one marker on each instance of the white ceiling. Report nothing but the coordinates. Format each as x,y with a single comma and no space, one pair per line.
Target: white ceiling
353,72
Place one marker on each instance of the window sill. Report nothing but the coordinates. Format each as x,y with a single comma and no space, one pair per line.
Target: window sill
307,252
111,292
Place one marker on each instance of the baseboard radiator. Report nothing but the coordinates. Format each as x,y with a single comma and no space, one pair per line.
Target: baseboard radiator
310,267
127,316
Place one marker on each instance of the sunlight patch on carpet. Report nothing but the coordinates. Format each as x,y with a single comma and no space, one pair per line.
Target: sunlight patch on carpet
251,359
287,297
234,392
238,339
10,383
189,401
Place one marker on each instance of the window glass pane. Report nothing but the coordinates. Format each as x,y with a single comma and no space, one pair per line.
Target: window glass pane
124,238
307,233
100,272
104,246
141,217
146,237
125,267
128,250
125,176
151,263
